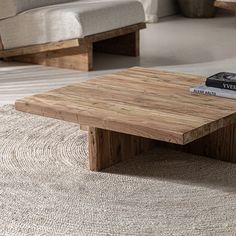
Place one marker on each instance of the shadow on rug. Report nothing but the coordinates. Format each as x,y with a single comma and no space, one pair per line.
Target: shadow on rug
47,189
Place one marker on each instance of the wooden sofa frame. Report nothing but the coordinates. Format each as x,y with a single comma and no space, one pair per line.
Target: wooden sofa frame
78,53
227,6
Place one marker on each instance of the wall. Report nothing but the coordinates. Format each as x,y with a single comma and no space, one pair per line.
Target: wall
158,8
151,9
166,8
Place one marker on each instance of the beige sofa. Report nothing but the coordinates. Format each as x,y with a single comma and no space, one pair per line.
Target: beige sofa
64,33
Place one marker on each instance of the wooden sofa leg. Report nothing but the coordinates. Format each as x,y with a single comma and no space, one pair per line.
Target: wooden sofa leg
124,45
235,19
1,44
77,58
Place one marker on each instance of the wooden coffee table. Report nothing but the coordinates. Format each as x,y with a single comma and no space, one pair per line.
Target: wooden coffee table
132,111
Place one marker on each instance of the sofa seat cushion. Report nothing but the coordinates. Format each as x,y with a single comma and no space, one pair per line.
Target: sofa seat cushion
9,8
68,21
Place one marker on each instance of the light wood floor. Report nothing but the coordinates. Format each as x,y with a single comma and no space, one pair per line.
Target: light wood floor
199,46
18,80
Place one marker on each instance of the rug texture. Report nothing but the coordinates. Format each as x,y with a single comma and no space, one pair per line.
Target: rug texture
47,189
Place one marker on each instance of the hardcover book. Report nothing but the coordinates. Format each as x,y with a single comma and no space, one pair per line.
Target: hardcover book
203,89
223,80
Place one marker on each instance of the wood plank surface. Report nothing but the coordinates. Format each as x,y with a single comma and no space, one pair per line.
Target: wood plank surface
142,102
107,148
76,58
78,53
47,47
39,48
113,33
220,145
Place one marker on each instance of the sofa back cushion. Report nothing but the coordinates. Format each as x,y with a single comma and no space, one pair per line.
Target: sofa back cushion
9,8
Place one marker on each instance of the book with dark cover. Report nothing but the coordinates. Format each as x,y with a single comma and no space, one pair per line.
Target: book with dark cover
223,80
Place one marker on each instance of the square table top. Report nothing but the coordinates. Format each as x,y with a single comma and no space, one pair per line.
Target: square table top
139,101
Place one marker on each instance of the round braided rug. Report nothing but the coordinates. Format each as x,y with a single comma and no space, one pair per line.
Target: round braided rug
47,189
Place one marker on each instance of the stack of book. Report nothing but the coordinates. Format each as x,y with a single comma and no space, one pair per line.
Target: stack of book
222,84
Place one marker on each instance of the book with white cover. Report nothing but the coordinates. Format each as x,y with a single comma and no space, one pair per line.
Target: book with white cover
203,89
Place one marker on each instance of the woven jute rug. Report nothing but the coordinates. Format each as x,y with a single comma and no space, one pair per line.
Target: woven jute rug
47,189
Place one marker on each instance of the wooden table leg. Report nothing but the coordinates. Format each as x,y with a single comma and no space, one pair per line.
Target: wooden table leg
220,145
107,148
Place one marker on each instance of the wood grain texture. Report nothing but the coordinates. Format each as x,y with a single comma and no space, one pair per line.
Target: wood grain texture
77,58
107,148
31,49
114,33
78,53
220,145
142,102
40,48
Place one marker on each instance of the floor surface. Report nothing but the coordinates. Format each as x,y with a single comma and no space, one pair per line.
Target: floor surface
199,46
46,188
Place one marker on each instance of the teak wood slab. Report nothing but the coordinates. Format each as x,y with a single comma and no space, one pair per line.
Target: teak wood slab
78,53
132,111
